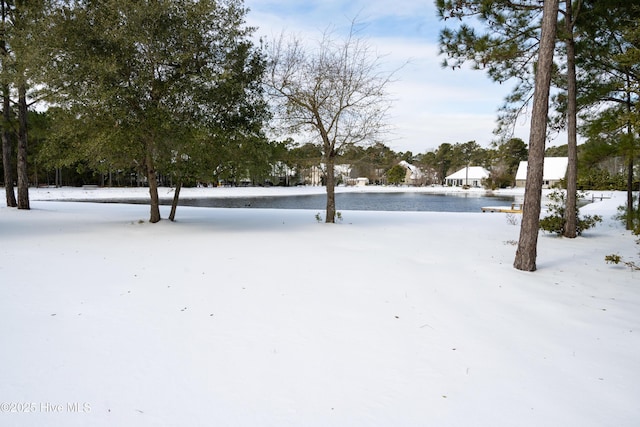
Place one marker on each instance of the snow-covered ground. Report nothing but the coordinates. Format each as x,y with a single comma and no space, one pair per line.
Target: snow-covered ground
250,317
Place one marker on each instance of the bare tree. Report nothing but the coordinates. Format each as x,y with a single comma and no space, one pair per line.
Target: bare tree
527,244
335,91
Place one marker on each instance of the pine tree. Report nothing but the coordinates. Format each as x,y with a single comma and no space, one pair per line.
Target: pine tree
608,55
526,253
21,42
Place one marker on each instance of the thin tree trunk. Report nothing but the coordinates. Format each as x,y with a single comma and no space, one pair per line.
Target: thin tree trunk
630,154
630,211
571,208
23,177
331,190
8,168
7,155
6,119
527,245
174,203
153,191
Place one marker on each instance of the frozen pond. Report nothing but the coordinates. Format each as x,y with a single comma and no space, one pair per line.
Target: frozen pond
410,201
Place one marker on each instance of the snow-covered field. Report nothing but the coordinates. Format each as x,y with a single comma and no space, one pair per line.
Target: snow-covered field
240,317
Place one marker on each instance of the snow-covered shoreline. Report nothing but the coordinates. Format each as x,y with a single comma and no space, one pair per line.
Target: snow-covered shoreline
266,317
105,193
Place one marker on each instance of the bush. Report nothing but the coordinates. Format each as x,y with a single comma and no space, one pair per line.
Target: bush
600,179
337,217
554,223
617,259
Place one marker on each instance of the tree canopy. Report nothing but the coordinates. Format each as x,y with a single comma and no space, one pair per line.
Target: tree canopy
156,84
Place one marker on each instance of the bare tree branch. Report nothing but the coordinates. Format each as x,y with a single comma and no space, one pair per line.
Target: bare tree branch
335,90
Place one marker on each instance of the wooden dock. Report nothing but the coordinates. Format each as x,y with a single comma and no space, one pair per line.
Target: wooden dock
514,208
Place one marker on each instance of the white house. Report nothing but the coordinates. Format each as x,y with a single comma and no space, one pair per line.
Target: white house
555,170
471,176
414,175
316,175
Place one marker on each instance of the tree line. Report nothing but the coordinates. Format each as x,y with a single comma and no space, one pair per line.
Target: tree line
285,163
266,162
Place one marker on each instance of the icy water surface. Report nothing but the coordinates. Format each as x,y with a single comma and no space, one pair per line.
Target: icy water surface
353,201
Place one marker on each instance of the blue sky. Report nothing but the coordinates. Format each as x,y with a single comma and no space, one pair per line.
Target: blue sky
432,105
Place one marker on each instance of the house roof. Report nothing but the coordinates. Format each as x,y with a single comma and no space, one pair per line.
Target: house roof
555,168
416,173
475,172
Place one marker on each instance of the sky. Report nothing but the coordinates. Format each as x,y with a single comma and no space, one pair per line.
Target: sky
432,105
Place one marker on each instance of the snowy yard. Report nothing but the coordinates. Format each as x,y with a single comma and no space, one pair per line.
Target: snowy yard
240,317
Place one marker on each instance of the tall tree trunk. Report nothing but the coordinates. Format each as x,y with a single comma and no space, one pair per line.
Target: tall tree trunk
331,189
174,203
153,190
630,209
571,208
630,153
23,176
7,155
6,119
527,245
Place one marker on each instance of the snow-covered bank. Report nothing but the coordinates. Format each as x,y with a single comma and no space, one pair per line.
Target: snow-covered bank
266,317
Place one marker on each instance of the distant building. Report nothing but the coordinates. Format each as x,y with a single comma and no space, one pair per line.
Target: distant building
316,174
555,170
414,175
471,176
362,181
